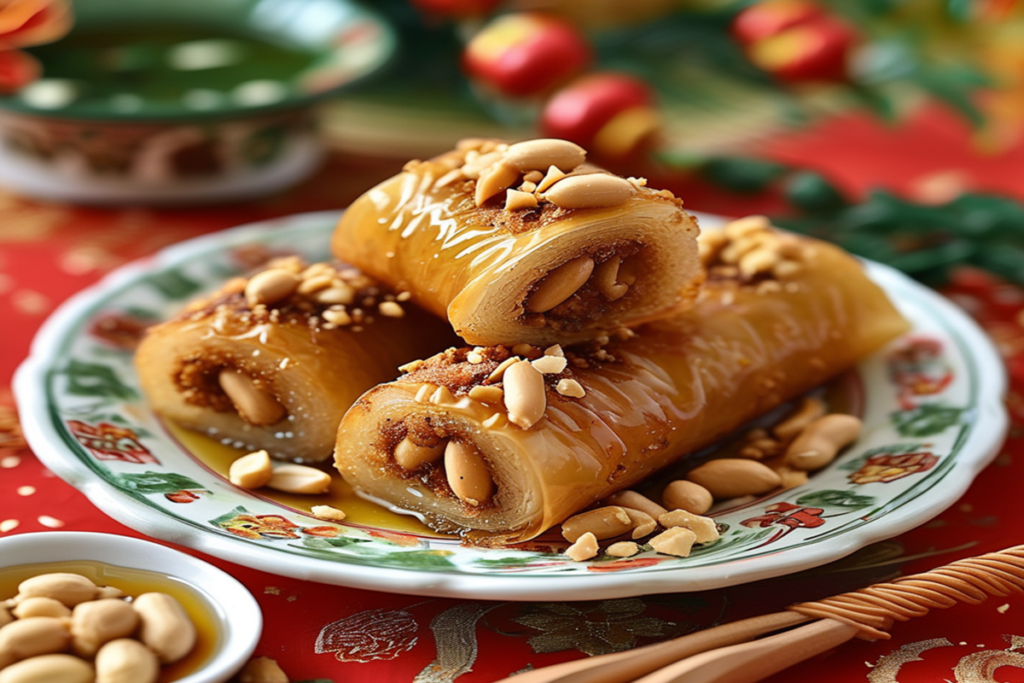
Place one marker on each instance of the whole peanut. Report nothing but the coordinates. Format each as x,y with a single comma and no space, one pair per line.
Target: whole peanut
636,501
606,522
99,621
40,607
33,636
820,441
49,669
165,627
686,495
810,409
69,589
126,661
734,477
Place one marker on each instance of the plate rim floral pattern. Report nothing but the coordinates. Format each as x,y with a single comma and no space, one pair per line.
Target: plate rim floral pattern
913,474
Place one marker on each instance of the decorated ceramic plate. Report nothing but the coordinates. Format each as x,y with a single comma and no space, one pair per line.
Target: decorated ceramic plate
931,403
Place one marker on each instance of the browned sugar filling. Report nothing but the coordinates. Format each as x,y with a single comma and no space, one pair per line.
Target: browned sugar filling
435,452
585,288
214,381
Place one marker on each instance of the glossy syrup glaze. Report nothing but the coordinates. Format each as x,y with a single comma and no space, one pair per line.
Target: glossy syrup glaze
478,265
681,384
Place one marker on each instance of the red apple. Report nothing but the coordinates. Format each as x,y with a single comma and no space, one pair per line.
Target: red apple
608,113
768,18
526,54
812,51
17,69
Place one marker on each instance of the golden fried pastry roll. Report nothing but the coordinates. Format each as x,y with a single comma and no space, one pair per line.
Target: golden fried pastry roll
273,362
525,243
500,444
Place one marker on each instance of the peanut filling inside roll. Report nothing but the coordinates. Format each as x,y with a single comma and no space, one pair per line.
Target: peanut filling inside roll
445,461
220,385
585,286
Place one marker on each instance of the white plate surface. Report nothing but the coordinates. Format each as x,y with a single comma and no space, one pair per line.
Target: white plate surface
932,406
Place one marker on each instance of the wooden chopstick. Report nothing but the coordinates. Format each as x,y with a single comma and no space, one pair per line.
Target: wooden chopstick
730,653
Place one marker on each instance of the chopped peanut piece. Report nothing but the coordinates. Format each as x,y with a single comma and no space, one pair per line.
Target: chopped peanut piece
570,388
411,366
251,471
550,365
526,350
299,479
643,523
704,528
676,541
328,513
623,549
583,549
499,372
516,199
492,395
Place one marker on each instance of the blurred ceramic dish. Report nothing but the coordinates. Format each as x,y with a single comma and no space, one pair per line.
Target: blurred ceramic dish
171,101
931,403
236,614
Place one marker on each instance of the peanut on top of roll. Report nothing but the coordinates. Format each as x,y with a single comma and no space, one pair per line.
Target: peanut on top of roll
525,242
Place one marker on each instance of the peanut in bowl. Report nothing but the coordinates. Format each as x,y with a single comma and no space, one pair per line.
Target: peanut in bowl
153,613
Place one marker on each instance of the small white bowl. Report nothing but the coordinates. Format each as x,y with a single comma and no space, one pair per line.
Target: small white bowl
237,635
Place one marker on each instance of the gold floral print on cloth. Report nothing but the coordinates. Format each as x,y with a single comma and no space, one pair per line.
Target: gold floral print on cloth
593,629
368,636
976,667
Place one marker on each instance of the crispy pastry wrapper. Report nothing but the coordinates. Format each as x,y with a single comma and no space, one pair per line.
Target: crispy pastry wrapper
751,343
313,369
422,231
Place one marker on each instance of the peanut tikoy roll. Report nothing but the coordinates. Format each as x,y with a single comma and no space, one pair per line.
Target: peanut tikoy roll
501,443
525,243
273,362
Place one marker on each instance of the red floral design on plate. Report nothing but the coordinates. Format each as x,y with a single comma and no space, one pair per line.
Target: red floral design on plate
110,442
884,467
788,516
918,369
271,527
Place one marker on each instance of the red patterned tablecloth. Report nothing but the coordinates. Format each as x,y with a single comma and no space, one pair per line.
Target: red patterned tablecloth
47,252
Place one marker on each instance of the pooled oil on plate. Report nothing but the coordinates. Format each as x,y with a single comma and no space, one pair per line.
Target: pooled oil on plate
931,402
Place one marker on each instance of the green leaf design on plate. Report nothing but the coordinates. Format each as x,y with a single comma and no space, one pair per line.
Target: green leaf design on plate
173,284
512,562
319,543
728,542
833,498
93,379
926,420
157,482
418,559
